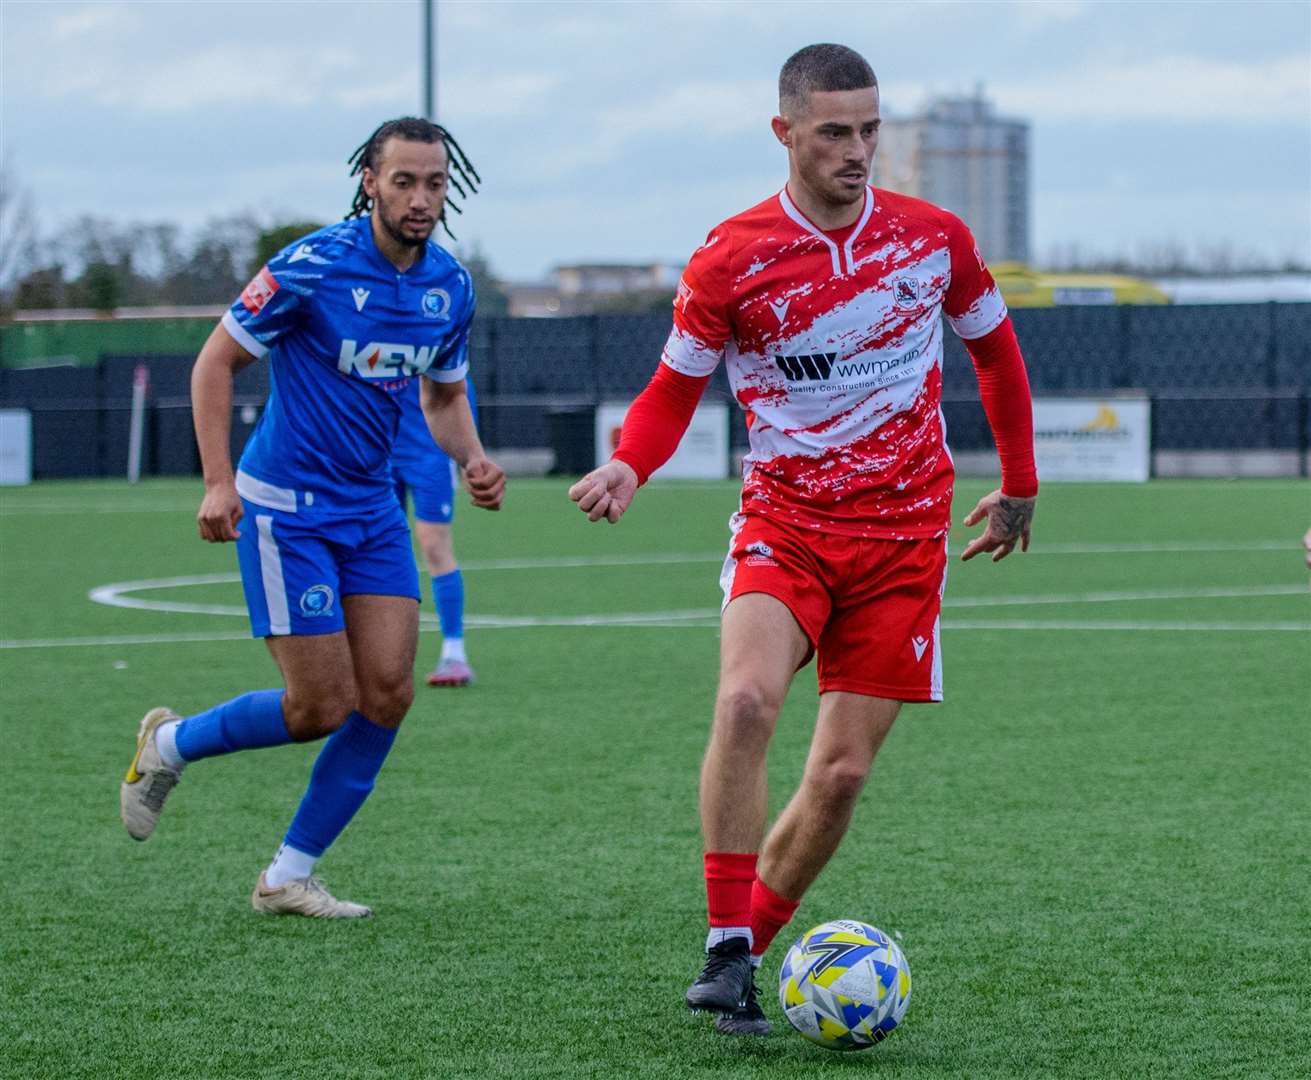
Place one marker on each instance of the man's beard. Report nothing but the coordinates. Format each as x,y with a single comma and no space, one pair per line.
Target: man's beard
394,230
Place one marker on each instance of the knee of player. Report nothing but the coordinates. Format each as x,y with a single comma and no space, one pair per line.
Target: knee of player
838,781
388,698
439,557
744,712
319,713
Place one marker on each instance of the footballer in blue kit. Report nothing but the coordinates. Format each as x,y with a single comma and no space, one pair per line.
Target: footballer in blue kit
424,473
351,317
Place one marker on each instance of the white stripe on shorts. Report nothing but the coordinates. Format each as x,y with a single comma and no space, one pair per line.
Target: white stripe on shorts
935,685
270,569
729,570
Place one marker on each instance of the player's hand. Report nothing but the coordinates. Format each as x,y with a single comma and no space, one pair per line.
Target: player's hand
1306,546
486,482
606,492
1009,520
219,512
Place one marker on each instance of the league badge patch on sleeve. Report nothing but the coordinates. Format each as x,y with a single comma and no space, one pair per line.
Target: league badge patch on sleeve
260,291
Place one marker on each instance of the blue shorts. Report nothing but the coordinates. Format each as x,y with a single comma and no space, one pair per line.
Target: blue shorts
296,565
432,486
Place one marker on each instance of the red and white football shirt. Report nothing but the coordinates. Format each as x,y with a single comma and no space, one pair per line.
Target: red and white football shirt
833,343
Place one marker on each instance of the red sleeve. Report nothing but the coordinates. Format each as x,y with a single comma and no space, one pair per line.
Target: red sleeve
702,319
1004,388
655,422
973,304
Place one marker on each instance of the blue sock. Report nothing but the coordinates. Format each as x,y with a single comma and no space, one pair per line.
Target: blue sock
249,722
342,779
448,598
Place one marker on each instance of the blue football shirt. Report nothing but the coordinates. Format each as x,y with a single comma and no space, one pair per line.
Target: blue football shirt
346,333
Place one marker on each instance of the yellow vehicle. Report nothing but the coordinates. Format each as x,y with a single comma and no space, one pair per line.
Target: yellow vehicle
1022,286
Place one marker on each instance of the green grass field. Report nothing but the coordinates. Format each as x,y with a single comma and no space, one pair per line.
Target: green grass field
1095,851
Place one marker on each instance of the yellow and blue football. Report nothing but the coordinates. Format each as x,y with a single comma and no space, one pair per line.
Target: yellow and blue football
844,985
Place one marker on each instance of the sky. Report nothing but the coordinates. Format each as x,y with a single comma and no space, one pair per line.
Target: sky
622,132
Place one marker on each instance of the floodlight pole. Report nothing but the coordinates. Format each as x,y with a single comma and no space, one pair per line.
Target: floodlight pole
429,60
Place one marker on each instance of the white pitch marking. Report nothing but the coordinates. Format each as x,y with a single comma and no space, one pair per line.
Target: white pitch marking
114,595
1222,593
120,508
1105,624
649,621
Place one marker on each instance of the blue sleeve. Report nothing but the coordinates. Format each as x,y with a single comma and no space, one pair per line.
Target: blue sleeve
274,303
265,311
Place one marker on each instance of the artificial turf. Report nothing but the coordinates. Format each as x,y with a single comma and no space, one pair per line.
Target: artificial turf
1095,851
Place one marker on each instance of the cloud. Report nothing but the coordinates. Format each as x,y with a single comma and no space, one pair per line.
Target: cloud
515,94
227,74
1038,14
1170,87
95,18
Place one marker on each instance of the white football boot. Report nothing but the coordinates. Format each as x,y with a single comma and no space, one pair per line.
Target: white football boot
148,781
304,896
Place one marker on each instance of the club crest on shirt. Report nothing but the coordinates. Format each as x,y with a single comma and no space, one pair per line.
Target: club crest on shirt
906,292
316,601
436,304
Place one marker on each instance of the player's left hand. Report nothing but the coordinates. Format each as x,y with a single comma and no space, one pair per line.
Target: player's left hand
486,482
1009,520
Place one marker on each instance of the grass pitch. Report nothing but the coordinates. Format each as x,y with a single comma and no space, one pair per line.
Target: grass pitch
1095,851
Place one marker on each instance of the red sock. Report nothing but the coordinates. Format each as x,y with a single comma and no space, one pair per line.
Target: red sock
769,914
729,875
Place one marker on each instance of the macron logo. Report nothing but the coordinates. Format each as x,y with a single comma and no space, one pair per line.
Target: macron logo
302,252
780,310
919,644
360,295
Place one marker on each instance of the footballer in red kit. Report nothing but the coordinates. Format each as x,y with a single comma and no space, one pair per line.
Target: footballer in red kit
826,303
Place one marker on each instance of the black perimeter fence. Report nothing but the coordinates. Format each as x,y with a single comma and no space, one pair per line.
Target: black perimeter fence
1223,377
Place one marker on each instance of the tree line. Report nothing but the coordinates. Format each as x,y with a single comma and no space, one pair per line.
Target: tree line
104,265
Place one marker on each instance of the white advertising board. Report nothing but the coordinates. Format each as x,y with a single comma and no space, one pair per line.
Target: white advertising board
702,455
1093,438
15,446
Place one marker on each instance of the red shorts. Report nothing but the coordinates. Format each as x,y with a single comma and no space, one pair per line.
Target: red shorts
869,607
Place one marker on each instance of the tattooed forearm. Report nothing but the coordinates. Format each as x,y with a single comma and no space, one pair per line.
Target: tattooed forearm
1012,517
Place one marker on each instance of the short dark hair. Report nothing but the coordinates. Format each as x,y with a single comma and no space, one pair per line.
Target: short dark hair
464,177
821,67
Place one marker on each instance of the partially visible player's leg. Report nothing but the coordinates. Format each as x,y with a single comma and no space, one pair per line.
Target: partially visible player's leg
848,733
761,647
378,648
447,581
434,509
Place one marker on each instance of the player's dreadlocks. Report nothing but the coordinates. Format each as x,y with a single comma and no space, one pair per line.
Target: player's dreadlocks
464,177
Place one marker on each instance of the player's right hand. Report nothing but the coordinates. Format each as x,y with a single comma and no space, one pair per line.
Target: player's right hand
219,512
486,483
606,492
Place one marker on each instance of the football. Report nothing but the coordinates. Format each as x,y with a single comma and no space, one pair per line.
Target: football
844,985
